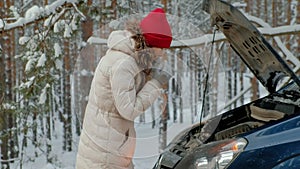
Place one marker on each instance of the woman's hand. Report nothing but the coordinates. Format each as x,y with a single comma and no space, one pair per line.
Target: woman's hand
161,71
161,76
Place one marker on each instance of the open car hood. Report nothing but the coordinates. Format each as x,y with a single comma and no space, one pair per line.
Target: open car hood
249,44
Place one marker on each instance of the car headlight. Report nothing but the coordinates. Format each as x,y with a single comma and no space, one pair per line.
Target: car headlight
223,156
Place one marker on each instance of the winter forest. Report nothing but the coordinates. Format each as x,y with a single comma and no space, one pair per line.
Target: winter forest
50,48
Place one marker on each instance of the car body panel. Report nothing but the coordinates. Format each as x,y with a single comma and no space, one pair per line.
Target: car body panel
291,163
270,146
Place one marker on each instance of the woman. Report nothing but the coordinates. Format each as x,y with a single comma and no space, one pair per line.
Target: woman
120,92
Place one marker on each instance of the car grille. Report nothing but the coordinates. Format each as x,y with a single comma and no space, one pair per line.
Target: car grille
236,130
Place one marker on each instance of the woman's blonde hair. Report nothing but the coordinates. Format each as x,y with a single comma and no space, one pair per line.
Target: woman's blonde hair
143,54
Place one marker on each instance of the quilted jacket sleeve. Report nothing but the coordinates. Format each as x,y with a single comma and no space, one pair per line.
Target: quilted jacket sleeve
129,103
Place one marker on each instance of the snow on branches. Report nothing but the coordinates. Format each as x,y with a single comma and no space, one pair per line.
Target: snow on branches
36,13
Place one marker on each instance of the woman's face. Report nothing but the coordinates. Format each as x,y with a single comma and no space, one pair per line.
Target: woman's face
158,52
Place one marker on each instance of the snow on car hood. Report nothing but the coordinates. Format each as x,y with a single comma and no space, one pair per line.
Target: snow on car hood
249,44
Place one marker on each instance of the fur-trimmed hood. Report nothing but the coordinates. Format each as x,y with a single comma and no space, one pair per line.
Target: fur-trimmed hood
121,41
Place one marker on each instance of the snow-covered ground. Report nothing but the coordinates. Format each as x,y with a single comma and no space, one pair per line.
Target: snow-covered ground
147,149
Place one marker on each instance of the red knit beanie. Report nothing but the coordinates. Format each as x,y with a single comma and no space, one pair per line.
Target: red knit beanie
156,29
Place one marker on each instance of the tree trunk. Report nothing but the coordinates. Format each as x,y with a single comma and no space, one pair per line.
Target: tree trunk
242,71
258,8
274,17
191,82
153,116
163,123
35,132
229,74
174,103
195,87
8,139
49,138
174,86
199,78
164,2
255,89
179,84
67,99
215,80
266,4
87,25
142,118
298,22
3,126
247,5
235,82
289,19
82,88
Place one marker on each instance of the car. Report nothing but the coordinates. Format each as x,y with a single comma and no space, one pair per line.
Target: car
262,134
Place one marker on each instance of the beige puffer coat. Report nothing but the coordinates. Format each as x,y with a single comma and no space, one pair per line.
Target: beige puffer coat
117,96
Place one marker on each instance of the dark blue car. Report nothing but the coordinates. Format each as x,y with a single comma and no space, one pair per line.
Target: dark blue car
263,134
